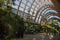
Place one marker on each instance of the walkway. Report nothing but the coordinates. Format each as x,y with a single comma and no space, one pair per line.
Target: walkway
40,36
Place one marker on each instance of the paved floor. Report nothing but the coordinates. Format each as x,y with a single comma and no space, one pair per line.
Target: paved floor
57,37
40,36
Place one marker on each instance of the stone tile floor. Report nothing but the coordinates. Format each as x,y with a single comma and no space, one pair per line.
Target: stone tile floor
39,36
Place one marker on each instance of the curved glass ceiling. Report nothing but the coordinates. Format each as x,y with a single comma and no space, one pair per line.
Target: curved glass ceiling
52,11
34,8
53,17
29,3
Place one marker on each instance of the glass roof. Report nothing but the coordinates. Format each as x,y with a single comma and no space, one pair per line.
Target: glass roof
35,8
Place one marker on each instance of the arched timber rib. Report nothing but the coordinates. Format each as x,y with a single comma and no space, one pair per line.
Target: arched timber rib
42,14
35,7
24,8
18,6
31,6
53,17
39,10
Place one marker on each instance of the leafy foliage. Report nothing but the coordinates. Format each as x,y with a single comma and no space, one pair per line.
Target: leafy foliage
1,2
13,22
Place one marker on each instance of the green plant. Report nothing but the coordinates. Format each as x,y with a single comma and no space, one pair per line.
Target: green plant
13,22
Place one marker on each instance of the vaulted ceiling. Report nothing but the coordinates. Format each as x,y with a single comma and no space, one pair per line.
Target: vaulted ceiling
38,8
